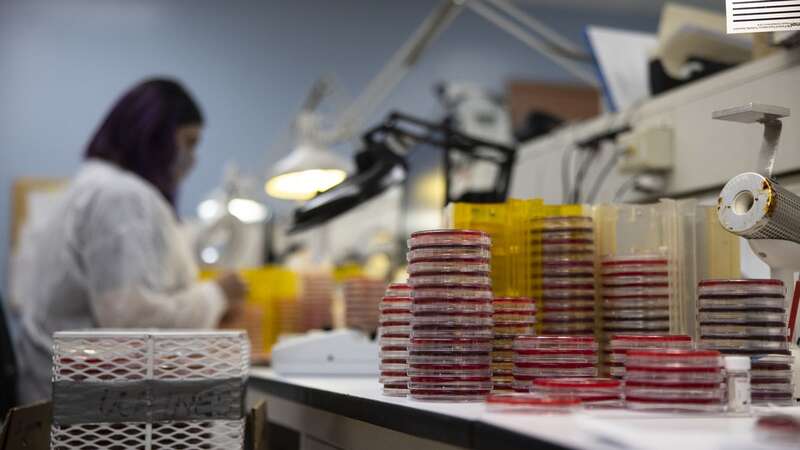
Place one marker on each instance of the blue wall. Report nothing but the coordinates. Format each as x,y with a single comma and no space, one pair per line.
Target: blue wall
62,63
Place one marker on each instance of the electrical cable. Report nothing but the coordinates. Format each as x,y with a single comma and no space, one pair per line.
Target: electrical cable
626,187
566,169
591,155
602,176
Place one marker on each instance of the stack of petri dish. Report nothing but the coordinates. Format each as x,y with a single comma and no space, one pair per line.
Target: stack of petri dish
678,380
393,335
593,392
635,294
451,325
361,299
620,344
749,318
567,274
315,301
513,317
552,357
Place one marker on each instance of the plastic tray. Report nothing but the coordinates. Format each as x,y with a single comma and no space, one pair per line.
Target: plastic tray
448,238
449,253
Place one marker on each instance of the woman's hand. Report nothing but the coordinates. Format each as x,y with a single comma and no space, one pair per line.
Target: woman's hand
233,286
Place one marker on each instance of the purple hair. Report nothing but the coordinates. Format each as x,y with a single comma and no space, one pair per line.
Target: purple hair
138,134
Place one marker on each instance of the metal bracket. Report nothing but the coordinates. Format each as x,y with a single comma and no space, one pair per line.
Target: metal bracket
768,115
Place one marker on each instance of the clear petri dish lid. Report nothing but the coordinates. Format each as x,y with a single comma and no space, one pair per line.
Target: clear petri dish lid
440,358
561,330
562,222
448,238
450,279
555,342
636,314
445,306
730,343
686,394
577,383
450,293
647,340
449,253
634,281
741,286
673,357
444,267
532,403
636,292
398,290
515,301
643,259
422,322
742,331
757,304
514,316
528,375
450,344
742,317
618,326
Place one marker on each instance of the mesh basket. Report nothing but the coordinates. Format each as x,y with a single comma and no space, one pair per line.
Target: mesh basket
117,377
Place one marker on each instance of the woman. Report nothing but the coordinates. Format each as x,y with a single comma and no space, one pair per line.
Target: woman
111,255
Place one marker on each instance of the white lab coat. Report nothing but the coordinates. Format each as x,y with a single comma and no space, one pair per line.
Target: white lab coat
110,256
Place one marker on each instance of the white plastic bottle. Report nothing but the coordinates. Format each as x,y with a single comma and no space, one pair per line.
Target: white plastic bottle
737,369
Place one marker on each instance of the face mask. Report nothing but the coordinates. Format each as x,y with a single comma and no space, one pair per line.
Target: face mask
184,161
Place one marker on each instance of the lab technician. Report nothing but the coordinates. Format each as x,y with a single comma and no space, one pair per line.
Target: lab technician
111,254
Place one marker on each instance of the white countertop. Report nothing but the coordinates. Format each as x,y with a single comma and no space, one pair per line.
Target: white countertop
587,429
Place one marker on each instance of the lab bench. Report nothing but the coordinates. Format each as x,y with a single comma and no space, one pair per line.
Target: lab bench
339,412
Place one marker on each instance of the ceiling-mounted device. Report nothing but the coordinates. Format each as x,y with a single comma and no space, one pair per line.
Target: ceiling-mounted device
311,167
753,205
382,163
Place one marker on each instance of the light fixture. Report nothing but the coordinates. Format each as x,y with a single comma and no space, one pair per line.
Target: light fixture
308,170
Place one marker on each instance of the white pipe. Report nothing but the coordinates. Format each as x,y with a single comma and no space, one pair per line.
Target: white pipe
531,41
396,68
508,7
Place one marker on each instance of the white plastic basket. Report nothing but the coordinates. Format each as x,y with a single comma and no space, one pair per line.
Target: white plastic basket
134,361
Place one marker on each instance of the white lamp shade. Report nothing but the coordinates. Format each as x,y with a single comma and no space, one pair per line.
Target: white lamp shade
304,172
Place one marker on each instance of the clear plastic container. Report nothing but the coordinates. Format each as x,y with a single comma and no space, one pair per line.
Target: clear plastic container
449,253
448,238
